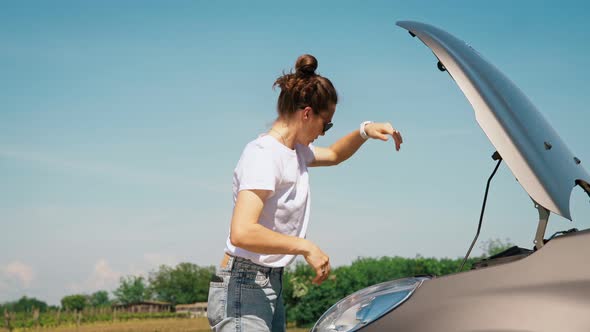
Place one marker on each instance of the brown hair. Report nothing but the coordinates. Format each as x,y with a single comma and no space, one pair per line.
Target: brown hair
304,88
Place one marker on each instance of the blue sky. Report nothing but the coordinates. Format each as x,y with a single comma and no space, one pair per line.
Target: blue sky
121,123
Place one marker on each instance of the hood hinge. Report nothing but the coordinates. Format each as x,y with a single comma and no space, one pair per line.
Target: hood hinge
542,226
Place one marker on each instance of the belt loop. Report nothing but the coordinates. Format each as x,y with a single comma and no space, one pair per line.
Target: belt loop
230,263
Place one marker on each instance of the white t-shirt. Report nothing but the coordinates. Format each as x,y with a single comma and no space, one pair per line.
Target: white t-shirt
266,164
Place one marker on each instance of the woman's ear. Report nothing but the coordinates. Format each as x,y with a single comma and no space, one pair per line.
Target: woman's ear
307,112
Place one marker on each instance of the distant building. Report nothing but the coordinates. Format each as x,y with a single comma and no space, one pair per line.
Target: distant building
144,306
198,309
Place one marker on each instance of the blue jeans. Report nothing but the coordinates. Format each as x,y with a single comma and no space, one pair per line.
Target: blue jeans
246,297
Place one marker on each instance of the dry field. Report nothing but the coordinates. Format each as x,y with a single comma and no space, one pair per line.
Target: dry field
149,325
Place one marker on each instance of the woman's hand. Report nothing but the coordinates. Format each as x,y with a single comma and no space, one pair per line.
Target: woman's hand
382,131
319,261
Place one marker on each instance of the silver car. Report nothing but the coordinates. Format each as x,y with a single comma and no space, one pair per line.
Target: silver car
544,288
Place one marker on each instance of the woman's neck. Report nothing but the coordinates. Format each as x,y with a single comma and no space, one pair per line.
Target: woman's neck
284,133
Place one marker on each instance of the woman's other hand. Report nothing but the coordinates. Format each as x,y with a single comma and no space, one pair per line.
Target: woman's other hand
319,261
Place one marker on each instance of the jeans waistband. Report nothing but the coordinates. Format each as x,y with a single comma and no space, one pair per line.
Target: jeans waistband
239,264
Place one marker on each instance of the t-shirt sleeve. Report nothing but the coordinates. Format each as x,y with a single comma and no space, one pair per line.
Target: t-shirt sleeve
308,154
256,169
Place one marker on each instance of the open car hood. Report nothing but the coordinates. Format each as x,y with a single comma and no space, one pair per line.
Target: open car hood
532,149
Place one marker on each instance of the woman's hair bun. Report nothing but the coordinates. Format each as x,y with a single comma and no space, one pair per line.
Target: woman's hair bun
306,64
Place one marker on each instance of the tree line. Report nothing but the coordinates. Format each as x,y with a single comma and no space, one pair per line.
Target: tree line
305,302
182,284
189,283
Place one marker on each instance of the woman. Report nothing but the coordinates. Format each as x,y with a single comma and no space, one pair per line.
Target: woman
271,202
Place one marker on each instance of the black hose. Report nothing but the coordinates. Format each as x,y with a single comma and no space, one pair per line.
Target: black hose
495,156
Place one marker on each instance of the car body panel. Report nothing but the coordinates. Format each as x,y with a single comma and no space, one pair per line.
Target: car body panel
532,149
546,291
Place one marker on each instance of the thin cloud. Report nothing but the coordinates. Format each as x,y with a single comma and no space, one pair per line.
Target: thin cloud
157,259
102,277
152,262
103,169
16,272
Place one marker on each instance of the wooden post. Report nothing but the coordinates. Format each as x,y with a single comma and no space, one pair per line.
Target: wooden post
35,317
7,320
77,316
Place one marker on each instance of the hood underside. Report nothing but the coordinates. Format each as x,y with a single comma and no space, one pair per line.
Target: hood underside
532,149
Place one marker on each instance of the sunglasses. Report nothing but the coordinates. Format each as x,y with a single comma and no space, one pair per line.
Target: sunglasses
327,126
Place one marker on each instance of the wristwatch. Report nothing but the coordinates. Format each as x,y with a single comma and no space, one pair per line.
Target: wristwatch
362,129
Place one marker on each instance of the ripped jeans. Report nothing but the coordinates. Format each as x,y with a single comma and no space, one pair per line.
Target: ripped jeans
244,296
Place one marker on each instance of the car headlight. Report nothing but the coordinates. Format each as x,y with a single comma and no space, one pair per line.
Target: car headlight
367,305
